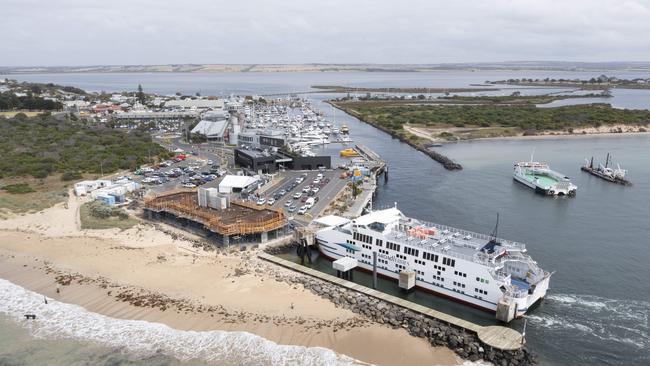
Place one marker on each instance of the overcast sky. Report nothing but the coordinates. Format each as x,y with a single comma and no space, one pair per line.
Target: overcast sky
89,32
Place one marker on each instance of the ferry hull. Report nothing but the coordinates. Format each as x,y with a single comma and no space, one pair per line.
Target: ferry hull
419,287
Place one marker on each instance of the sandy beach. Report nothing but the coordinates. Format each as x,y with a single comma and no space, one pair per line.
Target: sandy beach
587,132
145,274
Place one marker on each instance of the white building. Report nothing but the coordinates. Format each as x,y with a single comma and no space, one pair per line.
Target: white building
84,187
237,183
195,103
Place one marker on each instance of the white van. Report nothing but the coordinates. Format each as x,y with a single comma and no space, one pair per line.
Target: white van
310,202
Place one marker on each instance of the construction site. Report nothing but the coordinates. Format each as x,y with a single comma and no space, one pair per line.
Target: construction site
217,217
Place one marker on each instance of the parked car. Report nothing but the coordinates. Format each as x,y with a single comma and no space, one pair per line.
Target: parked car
302,210
189,185
306,189
292,208
261,201
271,201
315,189
288,203
282,192
297,195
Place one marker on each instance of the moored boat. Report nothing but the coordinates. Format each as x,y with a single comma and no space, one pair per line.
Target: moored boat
606,172
480,270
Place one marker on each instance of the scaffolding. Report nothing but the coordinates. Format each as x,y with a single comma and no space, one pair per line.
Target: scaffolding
240,218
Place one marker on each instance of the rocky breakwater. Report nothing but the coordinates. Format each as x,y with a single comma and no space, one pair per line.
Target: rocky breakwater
442,159
438,333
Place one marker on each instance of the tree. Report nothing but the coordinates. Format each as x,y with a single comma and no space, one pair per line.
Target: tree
140,95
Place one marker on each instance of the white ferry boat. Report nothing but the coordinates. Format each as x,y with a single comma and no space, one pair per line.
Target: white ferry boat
483,271
542,179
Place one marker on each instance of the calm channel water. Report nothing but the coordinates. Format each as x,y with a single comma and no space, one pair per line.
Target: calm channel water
597,242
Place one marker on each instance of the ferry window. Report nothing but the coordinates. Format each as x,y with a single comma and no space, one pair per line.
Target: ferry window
378,242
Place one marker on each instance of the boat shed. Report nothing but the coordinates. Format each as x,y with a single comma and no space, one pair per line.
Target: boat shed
212,130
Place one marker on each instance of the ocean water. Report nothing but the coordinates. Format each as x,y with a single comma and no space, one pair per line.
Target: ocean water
597,242
66,334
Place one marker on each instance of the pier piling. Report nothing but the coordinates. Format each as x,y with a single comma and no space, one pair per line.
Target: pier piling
374,270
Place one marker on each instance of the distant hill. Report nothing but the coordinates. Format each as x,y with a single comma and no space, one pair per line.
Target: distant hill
318,67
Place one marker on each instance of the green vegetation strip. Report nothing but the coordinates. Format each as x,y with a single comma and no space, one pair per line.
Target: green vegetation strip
393,117
43,145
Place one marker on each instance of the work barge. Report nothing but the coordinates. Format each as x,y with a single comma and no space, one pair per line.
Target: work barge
239,222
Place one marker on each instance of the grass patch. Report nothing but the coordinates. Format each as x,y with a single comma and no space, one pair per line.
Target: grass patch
34,194
98,216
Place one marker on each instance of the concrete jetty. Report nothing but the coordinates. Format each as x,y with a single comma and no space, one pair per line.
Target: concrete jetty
497,337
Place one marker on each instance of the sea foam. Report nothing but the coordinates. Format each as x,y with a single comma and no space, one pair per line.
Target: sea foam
61,320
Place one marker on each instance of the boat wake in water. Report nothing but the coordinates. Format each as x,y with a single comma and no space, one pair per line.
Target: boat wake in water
61,320
590,321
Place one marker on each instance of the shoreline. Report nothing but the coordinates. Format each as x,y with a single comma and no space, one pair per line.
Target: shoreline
144,274
449,164
351,336
546,137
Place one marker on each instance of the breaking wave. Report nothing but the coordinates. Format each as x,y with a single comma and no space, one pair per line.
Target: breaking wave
616,321
61,320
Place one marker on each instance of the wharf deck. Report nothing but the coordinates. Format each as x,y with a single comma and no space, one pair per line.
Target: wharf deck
498,337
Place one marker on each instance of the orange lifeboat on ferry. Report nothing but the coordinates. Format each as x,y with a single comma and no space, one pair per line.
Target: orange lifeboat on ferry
421,232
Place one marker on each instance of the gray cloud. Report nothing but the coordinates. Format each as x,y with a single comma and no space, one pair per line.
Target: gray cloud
76,32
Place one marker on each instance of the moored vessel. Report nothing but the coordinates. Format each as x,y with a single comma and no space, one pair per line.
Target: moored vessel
606,172
480,270
541,178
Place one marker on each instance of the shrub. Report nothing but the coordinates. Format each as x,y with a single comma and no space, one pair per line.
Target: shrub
67,176
19,188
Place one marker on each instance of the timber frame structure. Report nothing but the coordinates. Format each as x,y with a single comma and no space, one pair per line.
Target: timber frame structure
240,218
